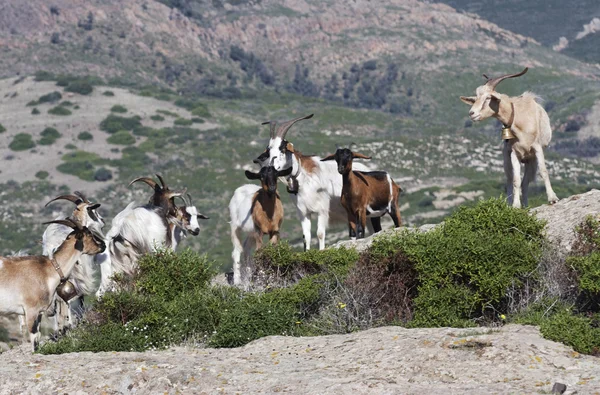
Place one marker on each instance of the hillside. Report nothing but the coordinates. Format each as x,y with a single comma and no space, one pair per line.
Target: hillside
384,77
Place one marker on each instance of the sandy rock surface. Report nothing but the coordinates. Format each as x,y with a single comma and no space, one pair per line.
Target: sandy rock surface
388,360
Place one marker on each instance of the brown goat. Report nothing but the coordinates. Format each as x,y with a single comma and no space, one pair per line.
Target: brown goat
28,284
365,194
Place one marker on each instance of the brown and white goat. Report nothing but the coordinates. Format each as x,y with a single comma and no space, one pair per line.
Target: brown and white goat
28,283
256,211
529,132
365,194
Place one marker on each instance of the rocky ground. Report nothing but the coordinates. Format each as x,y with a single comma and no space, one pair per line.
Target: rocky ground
511,359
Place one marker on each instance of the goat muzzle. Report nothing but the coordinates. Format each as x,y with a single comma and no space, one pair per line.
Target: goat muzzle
66,290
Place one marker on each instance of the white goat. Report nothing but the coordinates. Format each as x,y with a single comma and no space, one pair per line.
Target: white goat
315,186
528,133
82,275
28,284
138,230
256,211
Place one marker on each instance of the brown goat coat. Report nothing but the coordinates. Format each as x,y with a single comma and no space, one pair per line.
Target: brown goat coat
267,214
360,190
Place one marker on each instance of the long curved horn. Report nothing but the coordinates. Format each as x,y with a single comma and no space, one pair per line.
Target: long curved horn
284,127
71,198
65,222
147,180
172,194
272,127
189,197
162,181
82,196
493,82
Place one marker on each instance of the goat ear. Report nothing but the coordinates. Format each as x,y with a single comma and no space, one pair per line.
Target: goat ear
202,216
470,100
262,157
252,176
94,206
360,156
284,173
290,147
494,97
328,157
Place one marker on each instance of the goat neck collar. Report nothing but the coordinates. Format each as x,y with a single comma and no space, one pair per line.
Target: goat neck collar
58,270
511,119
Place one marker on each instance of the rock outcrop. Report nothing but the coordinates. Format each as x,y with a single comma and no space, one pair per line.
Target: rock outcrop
511,359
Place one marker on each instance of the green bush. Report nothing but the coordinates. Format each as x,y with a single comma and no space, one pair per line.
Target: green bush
85,136
66,103
21,142
182,122
35,111
103,174
59,110
80,164
581,333
197,120
108,93
118,108
80,86
201,111
466,265
49,136
114,123
51,97
168,113
70,146
44,76
157,118
2,128
122,137
42,174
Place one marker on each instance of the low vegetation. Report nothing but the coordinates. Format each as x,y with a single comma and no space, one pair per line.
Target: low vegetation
59,110
114,123
481,266
49,136
122,137
118,108
85,136
21,142
2,128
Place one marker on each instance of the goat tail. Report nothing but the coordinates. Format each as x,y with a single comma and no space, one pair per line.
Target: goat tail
531,167
236,234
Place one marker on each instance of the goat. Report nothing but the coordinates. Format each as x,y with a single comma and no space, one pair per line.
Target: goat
526,133
86,214
315,186
136,231
365,194
256,211
28,284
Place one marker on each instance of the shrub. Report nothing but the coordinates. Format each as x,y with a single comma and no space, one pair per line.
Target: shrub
122,137
2,128
168,113
70,146
49,136
118,108
182,122
102,174
44,76
35,111
108,93
59,110
42,174
467,264
22,142
201,111
85,136
585,261
51,97
114,123
80,86
80,164
581,333
157,118
197,120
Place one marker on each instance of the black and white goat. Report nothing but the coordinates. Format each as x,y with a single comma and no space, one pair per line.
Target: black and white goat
316,186
365,194
255,211
139,230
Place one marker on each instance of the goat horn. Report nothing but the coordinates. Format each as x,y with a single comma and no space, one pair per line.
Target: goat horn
189,198
66,222
147,180
162,181
273,125
172,194
493,82
71,198
284,127
82,196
